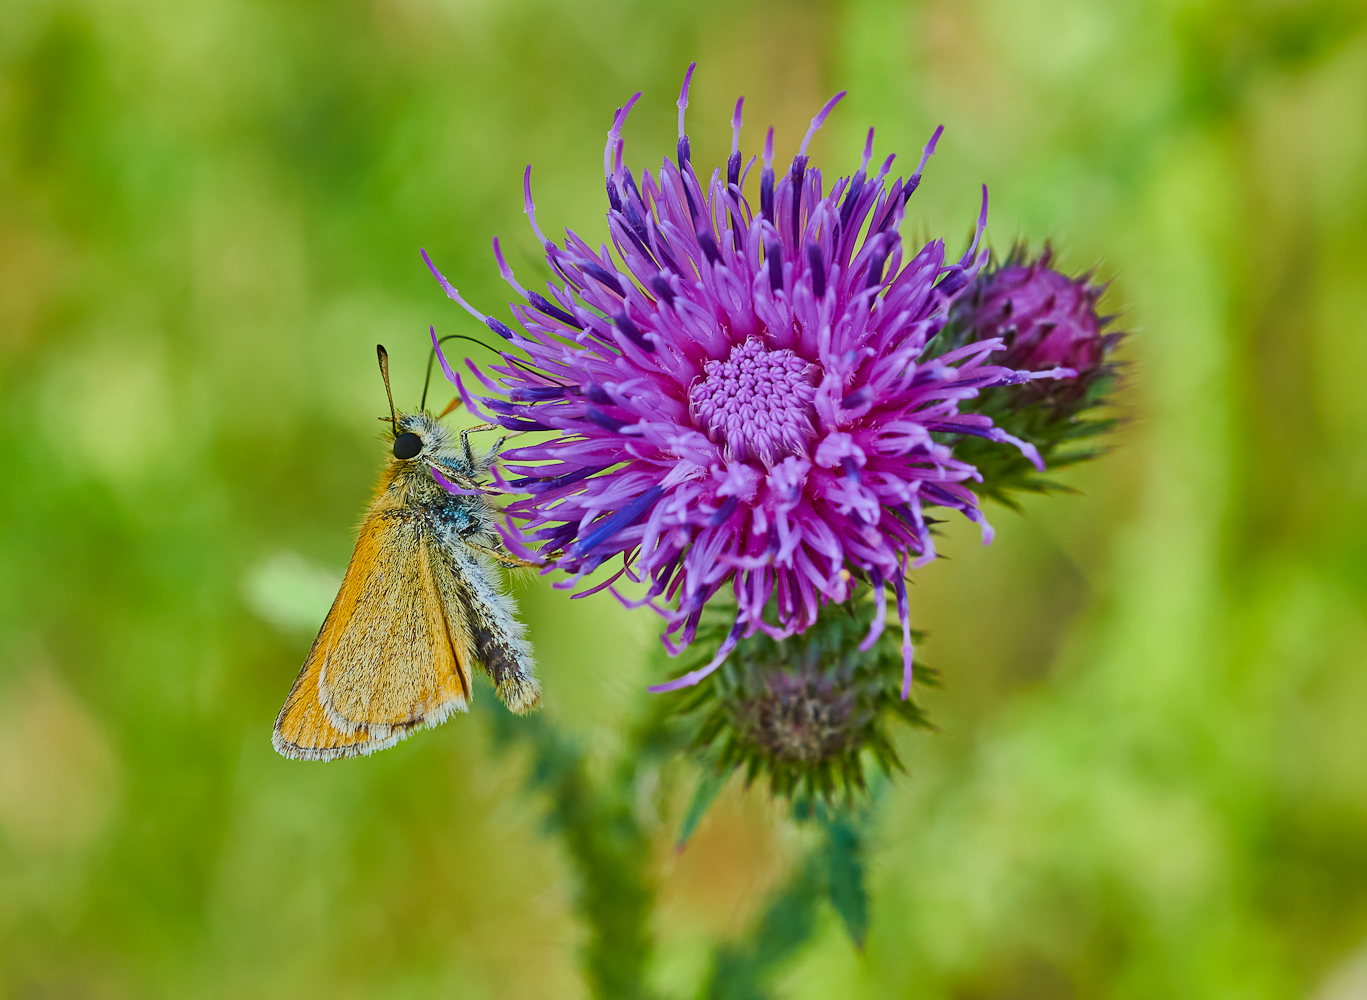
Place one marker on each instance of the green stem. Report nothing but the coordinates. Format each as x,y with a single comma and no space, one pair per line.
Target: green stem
611,855
608,849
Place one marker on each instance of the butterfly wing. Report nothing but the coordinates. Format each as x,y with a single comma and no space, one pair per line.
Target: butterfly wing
388,659
477,606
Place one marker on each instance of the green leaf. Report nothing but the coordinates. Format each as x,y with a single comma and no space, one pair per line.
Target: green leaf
709,786
845,879
745,970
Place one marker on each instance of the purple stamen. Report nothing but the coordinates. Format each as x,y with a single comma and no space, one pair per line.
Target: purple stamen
856,188
818,121
609,526
639,233
602,276
683,106
978,234
454,296
746,172
915,180
766,180
554,482
727,508
603,420
689,679
529,209
774,253
904,615
880,611
709,247
818,269
633,333
876,262
441,357
795,176
507,271
612,150
855,399
540,304
661,288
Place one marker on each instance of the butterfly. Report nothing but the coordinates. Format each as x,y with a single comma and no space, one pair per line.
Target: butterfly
419,608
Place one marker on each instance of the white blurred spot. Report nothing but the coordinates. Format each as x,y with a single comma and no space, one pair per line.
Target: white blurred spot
1348,981
290,592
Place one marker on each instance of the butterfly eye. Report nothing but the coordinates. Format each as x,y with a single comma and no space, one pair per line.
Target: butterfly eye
407,445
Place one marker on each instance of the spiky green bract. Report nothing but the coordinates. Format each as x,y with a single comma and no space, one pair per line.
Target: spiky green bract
1063,435
808,712
1045,319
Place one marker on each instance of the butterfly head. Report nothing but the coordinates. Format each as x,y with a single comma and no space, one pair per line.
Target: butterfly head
417,436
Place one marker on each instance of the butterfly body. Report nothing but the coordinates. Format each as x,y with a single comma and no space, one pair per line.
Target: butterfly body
420,606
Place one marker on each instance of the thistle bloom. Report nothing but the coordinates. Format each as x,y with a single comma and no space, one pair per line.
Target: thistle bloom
744,398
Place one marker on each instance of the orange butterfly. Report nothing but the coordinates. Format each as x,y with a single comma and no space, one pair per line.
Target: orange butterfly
420,607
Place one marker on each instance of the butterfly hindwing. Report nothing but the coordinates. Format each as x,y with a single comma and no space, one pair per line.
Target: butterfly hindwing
302,729
472,596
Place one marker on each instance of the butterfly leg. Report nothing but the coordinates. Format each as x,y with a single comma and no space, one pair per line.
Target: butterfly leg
504,558
464,482
498,445
465,440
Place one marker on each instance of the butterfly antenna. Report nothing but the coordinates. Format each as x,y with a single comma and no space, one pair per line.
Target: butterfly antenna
533,371
431,357
383,356
460,336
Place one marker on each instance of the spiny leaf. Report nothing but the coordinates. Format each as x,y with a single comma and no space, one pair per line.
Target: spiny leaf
745,970
845,878
709,786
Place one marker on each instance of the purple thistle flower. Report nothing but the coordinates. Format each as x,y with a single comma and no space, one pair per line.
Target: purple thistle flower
740,395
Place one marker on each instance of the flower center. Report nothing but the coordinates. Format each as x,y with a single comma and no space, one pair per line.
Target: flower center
803,719
757,404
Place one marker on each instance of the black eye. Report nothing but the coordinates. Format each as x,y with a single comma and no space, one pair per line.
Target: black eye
407,445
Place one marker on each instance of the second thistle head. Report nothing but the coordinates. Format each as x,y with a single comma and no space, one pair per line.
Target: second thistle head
1038,318
809,712
1045,318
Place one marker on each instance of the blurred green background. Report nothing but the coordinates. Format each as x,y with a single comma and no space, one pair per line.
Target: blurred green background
1150,778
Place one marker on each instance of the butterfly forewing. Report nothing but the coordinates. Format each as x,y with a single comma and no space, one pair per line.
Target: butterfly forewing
302,729
393,662
386,660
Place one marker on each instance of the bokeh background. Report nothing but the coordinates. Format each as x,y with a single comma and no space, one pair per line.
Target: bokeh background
1150,773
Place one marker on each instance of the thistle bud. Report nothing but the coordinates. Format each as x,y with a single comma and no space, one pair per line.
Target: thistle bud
1046,320
809,711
